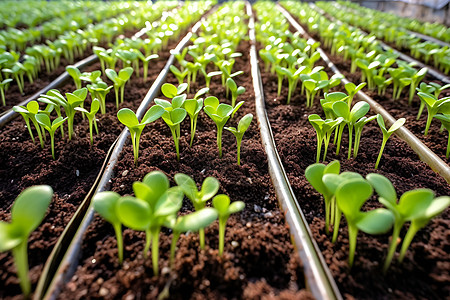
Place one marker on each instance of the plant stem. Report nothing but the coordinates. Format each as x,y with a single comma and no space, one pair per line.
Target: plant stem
122,90
350,140
173,246
52,141
27,121
148,241
3,95
327,215
393,245
193,128
338,147
70,126
175,140
90,131
429,119
337,221
119,238
352,233
201,236
219,140
238,151
222,224
448,147
116,91
155,251
21,261
319,147
413,228
383,144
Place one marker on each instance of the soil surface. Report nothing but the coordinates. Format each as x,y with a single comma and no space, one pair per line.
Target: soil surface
24,163
259,260
424,274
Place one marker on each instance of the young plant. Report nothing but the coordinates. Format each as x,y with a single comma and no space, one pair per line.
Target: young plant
359,125
27,213
196,221
352,90
210,75
145,61
210,187
119,81
417,206
434,106
314,174
350,197
416,78
387,133
29,113
128,118
75,73
324,129
3,87
105,204
235,90
99,90
179,74
222,204
220,113
193,108
243,125
155,204
445,121
51,127
95,106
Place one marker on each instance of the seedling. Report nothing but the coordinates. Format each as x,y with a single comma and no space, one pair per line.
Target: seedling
387,133
350,197
95,106
314,174
75,73
105,204
128,118
417,206
27,213
222,204
445,120
145,61
209,76
243,125
51,127
352,90
119,81
220,113
3,87
99,90
179,74
434,106
29,113
209,188
196,221
359,125
193,107
235,90
155,204
323,128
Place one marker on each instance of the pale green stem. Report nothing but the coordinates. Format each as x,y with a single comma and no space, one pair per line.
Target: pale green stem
430,118
383,144
119,238
222,225
407,240
350,140
352,234
337,221
155,251
201,235
393,245
238,141
20,255
148,241
219,140
52,141
173,246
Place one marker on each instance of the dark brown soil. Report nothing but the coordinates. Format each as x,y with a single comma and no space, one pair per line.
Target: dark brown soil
259,261
71,175
424,273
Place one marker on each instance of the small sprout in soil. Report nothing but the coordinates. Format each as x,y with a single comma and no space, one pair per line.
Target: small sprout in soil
119,81
128,118
75,73
235,90
44,120
29,113
193,108
314,174
352,90
95,106
209,75
209,188
222,204
238,132
145,61
445,120
350,197
3,87
196,221
324,129
105,204
180,75
434,106
27,213
99,90
155,205
220,113
417,206
387,133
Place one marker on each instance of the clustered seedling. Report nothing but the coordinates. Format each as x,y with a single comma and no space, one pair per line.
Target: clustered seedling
387,133
27,213
156,204
347,192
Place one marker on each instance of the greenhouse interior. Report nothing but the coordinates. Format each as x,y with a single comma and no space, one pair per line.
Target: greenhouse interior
224,149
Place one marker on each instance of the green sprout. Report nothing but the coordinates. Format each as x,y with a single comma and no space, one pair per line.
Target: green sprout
222,204
193,108
359,125
434,106
95,106
210,75
238,132
324,129
350,197
445,120
44,120
27,213
128,118
417,206
352,90
155,204
145,61
314,174
75,73
105,204
99,90
220,113
235,90
179,74
196,221
119,81
210,187
387,133
3,87
29,113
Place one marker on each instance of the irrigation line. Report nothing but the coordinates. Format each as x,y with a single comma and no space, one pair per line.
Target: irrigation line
70,260
436,74
424,153
318,277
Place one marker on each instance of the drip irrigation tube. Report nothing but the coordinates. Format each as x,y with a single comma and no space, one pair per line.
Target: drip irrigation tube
318,276
424,153
436,74
428,38
70,259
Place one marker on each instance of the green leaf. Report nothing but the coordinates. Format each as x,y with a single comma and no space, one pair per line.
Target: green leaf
127,117
33,107
383,187
152,114
212,101
196,220
377,221
10,237
210,187
413,204
351,195
169,90
235,207
169,203
158,183
245,122
314,174
221,203
187,184
30,207
399,123
134,213
105,205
